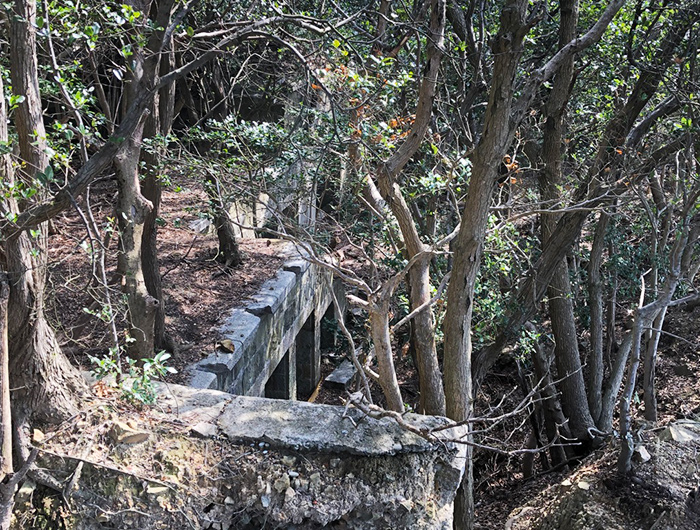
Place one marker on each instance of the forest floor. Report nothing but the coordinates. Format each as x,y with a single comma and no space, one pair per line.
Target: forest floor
199,292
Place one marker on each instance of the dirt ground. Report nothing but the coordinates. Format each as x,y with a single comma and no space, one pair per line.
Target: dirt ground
198,292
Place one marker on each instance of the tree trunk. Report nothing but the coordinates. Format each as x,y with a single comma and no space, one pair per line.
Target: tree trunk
561,306
595,302
229,253
133,209
5,405
432,394
158,123
379,331
137,214
45,383
555,422
468,246
650,366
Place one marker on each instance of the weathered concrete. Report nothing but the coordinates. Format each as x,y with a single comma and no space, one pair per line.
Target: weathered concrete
368,473
280,325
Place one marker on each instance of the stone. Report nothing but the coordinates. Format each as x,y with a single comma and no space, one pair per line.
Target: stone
641,454
341,377
679,433
282,483
121,433
205,430
154,489
38,436
289,494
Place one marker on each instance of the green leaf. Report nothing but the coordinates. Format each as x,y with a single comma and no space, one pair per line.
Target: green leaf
336,43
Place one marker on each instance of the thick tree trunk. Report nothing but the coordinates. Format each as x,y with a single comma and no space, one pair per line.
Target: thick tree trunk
45,384
468,246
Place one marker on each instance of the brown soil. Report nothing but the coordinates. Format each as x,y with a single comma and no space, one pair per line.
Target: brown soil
198,291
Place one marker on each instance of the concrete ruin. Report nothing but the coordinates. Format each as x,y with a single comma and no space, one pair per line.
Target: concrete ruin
277,336
349,470
209,460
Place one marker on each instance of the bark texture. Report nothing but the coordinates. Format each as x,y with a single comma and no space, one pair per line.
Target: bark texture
45,384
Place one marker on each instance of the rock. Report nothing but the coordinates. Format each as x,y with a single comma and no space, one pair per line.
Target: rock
282,483
582,484
121,433
205,430
24,495
154,489
341,377
38,436
679,433
289,494
641,454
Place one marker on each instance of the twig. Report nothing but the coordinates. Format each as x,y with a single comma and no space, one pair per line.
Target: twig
183,258
111,468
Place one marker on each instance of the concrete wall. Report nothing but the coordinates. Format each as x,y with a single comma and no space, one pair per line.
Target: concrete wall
276,336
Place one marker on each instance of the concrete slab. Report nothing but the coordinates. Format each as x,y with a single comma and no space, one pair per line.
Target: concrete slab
201,379
300,425
297,266
219,363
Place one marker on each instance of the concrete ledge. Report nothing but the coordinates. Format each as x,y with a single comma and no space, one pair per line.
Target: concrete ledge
240,327
282,318
272,294
300,425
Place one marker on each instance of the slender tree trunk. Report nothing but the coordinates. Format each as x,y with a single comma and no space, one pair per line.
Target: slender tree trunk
595,302
561,307
158,123
379,331
229,253
650,366
138,213
432,395
5,405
